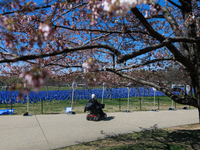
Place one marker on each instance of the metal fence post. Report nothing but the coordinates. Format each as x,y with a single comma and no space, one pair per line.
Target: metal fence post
175,105
42,106
119,104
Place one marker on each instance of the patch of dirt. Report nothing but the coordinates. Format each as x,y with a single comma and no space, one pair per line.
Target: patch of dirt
186,127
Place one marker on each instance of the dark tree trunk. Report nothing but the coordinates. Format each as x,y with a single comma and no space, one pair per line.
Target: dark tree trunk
143,95
139,92
185,88
196,86
193,50
135,92
199,114
190,93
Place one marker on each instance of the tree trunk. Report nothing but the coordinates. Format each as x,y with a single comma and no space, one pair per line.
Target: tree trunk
190,93
139,92
199,114
196,85
185,88
143,96
135,92
111,94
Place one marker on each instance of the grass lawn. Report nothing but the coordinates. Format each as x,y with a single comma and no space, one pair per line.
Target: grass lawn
185,137
114,105
65,88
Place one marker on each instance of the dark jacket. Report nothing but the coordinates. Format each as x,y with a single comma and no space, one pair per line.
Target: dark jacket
96,104
94,101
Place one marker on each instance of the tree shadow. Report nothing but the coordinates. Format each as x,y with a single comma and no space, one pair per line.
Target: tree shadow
153,138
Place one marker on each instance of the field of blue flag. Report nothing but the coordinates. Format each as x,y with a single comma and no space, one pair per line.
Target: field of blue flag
7,97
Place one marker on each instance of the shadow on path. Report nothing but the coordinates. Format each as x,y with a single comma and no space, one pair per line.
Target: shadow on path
109,118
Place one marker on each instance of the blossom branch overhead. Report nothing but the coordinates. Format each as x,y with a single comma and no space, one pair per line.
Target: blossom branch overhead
121,7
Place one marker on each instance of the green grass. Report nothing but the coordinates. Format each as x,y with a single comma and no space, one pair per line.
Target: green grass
176,138
54,88
114,105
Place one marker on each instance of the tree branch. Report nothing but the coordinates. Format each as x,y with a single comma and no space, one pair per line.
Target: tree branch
97,38
174,60
186,100
63,66
70,10
55,10
178,6
102,31
169,17
67,50
146,63
123,58
184,39
178,56
155,16
36,8
166,42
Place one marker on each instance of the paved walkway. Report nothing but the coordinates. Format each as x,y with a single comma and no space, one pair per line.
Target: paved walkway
46,132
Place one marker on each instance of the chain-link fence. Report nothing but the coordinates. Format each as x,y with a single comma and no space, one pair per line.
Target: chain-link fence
115,100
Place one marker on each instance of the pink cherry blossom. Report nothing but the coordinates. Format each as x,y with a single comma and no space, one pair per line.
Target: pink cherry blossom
45,29
121,7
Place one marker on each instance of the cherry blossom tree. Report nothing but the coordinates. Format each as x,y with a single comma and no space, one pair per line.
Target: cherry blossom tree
102,41
172,38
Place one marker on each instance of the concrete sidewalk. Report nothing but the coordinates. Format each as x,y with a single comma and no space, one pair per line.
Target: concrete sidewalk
45,132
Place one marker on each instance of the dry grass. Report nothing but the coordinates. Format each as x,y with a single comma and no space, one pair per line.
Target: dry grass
186,127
